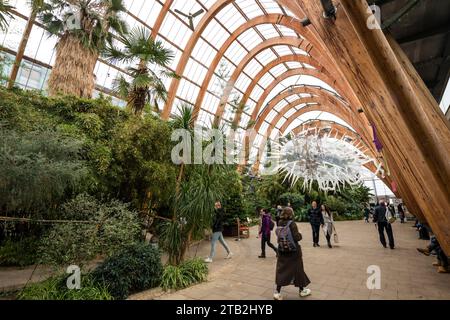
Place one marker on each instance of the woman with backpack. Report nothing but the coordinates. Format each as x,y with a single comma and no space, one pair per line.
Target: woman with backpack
290,261
267,226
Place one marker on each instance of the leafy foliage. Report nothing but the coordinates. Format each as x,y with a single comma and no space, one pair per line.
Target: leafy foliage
19,252
141,171
135,268
145,86
94,18
111,227
5,14
39,169
55,288
188,273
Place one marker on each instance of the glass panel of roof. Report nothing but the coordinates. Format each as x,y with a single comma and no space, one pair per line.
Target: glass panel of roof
250,7
236,52
290,113
173,29
204,52
250,38
266,56
294,65
231,18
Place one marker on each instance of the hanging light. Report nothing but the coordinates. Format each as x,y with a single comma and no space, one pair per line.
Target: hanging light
312,156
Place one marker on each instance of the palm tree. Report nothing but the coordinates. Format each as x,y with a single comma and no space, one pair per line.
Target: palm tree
145,86
84,27
5,9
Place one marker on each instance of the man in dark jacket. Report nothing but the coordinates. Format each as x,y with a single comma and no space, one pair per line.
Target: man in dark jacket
380,219
316,220
217,229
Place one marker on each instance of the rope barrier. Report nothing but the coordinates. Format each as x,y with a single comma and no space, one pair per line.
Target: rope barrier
13,219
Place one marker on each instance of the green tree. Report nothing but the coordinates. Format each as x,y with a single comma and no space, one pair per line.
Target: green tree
80,44
5,13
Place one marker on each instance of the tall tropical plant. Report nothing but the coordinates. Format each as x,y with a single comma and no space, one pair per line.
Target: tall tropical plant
198,187
84,27
5,10
145,86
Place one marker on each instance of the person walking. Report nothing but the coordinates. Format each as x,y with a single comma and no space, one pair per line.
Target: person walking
266,229
316,220
328,226
382,222
217,229
401,212
289,268
278,214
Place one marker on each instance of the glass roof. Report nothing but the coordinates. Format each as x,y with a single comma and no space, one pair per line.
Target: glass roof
174,31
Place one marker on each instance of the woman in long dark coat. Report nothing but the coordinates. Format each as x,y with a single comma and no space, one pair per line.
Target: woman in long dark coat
290,264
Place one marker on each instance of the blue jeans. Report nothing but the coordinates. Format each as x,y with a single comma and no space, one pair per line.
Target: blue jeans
217,236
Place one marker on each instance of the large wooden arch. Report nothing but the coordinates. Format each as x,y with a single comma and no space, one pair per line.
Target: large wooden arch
343,114
413,131
291,41
380,81
323,96
266,19
361,117
338,131
290,58
315,49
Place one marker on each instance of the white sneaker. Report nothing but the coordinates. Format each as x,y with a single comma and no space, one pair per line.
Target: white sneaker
208,260
305,293
229,256
277,296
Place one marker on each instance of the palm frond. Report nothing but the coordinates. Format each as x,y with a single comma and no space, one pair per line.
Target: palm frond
121,86
5,14
185,118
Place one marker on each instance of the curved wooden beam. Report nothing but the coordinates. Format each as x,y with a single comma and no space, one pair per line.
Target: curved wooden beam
206,19
323,97
272,64
162,15
361,117
291,41
277,19
326,107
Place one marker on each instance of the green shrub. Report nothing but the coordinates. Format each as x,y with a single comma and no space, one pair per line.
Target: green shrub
195,269
113,226
19,253
38,170
301,215
185,275
134,269
173,278
296,200
336,205
55,288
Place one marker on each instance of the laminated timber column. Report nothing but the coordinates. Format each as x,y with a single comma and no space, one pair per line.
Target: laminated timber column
413,132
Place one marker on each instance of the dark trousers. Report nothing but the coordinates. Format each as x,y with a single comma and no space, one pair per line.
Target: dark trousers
266,239
381,227
315,231
441,256
328,238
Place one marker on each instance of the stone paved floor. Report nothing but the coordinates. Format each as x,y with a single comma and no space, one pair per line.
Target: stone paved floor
338,273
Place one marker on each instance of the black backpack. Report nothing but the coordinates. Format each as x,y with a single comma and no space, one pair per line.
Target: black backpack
286,243
272,225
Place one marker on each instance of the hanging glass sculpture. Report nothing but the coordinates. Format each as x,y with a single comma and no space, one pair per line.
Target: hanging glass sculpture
315,154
